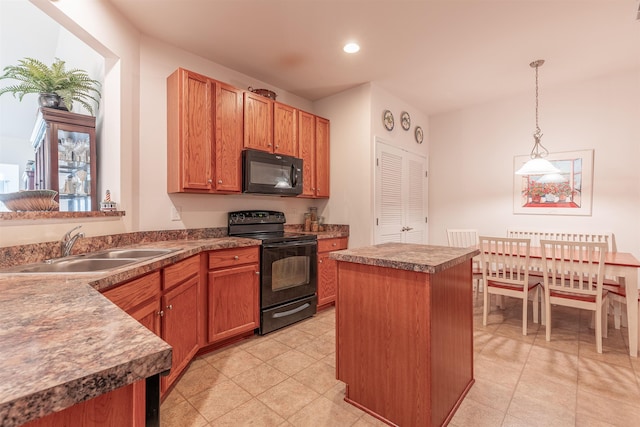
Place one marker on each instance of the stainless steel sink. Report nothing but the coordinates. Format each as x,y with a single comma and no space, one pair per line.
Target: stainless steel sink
76,265
92,262
129,253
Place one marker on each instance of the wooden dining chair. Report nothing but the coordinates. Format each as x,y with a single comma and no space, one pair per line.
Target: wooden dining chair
505,269
573,278
463,238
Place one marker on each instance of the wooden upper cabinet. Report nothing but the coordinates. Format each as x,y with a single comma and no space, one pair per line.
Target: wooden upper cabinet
307,152
285,129
322,157
189,132
204,135
258,122
228,139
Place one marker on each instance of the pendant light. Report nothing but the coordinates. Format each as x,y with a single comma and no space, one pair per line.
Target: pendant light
538,165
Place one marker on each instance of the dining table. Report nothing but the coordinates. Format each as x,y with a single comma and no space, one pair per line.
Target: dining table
616,264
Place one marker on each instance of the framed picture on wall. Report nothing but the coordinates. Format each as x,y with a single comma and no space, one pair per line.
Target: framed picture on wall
566,193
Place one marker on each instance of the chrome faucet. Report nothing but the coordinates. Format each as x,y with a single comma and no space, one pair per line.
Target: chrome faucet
67,242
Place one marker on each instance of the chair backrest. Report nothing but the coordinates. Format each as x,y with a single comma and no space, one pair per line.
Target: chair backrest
462,237
505,259
573,267
569,236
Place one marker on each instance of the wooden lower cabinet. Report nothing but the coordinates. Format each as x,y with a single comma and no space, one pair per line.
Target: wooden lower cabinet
233,293
180,315
328,270
114,409
166,303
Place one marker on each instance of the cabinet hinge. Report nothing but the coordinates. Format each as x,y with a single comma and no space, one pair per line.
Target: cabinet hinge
376,221
377,162
426,174
425,219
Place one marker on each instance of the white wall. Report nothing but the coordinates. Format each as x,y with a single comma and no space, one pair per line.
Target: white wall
356,119
472,152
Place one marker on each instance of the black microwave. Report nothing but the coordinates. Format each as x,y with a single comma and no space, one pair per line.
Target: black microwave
269,173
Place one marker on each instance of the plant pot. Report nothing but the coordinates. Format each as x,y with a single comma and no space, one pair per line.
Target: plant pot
51,100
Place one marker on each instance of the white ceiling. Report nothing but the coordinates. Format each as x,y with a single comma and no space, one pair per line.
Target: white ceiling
437,55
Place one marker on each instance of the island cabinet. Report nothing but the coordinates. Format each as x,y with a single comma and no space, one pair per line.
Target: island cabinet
233,293
258,122
204,135
166,303
313,149
328,270
404,331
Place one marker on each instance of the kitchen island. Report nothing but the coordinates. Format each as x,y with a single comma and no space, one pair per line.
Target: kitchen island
404,330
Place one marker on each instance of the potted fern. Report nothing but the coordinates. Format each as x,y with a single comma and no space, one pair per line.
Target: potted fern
57,86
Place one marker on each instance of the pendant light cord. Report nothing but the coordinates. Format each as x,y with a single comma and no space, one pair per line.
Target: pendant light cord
538,150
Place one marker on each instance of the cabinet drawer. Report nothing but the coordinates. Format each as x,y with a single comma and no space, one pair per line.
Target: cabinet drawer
181,271
328,245
235,256
131,294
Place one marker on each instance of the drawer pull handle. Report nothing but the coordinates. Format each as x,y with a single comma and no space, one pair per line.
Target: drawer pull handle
290,312
236,257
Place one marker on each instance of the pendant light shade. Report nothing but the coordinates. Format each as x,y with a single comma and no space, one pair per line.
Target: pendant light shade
537,165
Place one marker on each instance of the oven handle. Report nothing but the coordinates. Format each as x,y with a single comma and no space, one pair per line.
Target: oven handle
292,311
289,244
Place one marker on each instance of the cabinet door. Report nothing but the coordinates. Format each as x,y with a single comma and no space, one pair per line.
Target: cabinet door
306,151
180,326
327,279
234,301
189,132
148,315
228,141
285,129
322,157
258,122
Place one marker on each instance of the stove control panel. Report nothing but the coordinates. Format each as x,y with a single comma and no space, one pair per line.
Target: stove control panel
256,217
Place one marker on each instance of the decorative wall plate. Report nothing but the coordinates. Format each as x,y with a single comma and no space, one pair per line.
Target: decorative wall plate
419,135
387,120
405,120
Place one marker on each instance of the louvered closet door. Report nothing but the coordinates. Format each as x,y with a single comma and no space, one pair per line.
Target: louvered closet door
400,196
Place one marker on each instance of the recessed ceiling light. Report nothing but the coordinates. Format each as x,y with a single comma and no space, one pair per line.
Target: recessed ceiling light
351,47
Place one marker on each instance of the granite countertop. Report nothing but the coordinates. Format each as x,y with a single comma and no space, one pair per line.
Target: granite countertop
407,256
63,342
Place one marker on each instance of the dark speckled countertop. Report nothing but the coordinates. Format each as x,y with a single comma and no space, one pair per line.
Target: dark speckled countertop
62,342
407,256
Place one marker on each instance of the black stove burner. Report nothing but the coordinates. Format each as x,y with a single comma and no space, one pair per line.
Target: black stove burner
267,226
276,237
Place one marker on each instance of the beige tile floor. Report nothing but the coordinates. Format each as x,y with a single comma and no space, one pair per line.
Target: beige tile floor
287,378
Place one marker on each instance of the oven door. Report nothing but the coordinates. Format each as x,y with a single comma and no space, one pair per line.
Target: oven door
288,271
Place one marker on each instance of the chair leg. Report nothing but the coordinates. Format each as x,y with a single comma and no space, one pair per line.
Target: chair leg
547,319
525,305
536,302
485,310
599,329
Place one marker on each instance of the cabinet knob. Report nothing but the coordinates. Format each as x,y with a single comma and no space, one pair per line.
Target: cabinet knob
236,257
277,146
258,273
170,307
334,244
219,181
268,145
161,313
320,261
209,181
